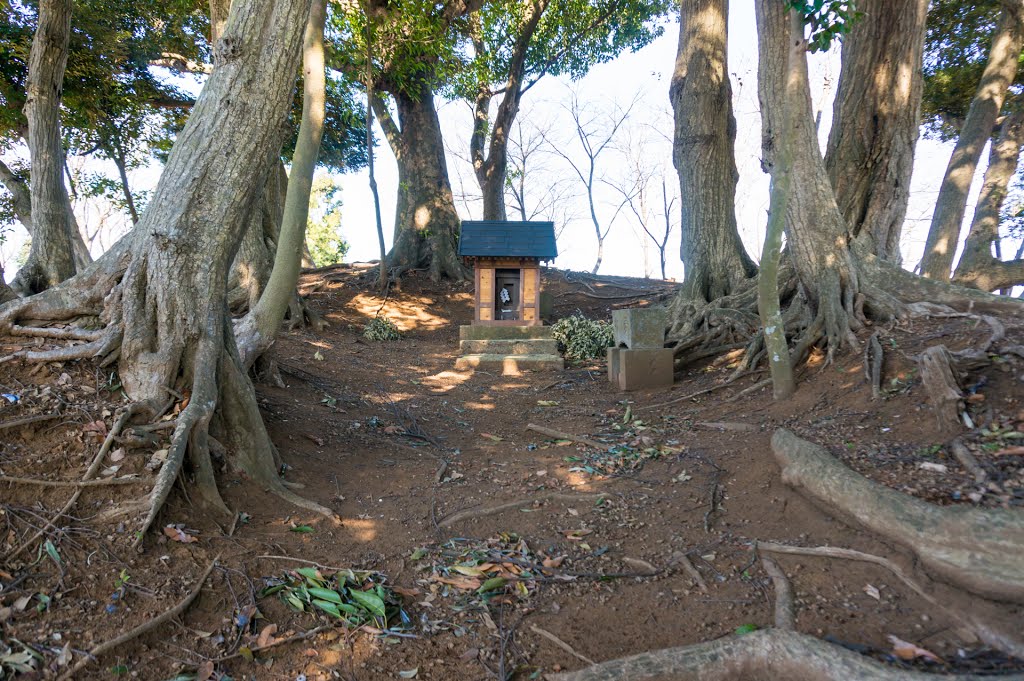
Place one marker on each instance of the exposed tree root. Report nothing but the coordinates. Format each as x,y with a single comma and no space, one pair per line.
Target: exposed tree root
873,358
681,558
784,616
981,550
942,387
481,512
1010,642
967,460
145,627
761,655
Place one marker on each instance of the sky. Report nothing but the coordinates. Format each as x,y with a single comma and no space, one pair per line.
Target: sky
643,76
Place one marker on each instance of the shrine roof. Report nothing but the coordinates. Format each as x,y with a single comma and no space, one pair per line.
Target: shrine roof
507,239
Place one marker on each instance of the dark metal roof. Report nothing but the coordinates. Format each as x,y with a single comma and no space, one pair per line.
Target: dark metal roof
503,238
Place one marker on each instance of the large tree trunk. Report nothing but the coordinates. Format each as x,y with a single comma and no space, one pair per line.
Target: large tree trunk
51,257
426,223
951,204
254,260
703,153
264,320
876,120
978,268
815,229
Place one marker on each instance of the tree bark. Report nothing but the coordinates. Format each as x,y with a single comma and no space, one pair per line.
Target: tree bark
426,223
264,320
876,119
815,229
51,257
978,268
951,204
703,153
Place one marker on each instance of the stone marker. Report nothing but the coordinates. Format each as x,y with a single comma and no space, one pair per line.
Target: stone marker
640,328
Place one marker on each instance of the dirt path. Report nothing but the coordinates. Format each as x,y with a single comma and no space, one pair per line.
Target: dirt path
396,441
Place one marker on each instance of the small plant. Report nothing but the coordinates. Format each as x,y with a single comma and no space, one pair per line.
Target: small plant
24,661
381,329
580,338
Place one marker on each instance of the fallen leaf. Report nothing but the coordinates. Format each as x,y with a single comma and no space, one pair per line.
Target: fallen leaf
872,591
547,403
393,430
317,356
495,438
117,454
411,593
1009,451
157,460
178,534
553,562
310,652
204,671
459,582
22,603
266,636
906,650
683,477
576,535
409,673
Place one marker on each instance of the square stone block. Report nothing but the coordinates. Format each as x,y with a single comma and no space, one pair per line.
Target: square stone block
640,327
613,365
644,369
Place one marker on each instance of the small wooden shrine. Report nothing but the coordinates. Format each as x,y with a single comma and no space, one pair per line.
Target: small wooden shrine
506,258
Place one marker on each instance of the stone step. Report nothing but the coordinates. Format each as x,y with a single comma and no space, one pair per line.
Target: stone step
530,346
482,332
510,365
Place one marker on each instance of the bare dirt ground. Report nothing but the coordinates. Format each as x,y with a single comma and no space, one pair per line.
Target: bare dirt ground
440,487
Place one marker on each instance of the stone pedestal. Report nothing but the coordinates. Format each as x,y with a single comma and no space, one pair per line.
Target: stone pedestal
646,369
639,328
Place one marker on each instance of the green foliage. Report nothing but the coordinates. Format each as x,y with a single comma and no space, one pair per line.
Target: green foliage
570,38
957,43
381,329
357,598
580,338
323,229
829,20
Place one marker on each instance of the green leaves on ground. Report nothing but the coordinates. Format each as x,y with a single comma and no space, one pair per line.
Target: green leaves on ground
357,598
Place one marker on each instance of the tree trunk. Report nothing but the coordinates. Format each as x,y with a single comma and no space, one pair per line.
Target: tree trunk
264,320
51,257
21,197
978,268
814,227
492,169
426,223
254,260
703,153
876,120
951,204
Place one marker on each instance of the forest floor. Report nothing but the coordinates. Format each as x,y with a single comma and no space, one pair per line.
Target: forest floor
396,441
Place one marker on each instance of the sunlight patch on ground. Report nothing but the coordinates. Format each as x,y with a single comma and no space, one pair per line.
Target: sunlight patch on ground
408,313
362,530
446,381
480,406
511,386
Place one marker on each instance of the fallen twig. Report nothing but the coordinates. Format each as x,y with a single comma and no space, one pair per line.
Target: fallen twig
143,628
560,435
725,425
784,618
478,512
560,643
684,560
278,642
307,562
24,421
70,483
115,430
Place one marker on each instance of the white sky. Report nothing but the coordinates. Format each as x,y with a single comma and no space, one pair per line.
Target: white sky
646,73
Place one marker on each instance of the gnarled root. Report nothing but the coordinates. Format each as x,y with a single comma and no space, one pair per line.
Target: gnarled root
761,655
980,550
